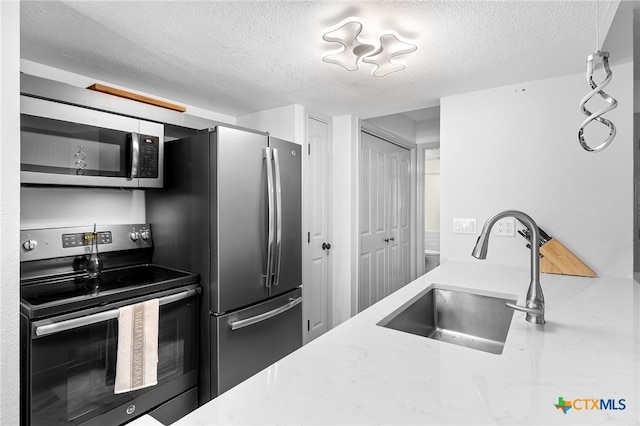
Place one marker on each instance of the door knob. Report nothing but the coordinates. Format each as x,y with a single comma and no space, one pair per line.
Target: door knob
386,240
326,246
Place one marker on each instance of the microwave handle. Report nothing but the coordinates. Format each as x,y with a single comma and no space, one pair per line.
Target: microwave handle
57,327
135,154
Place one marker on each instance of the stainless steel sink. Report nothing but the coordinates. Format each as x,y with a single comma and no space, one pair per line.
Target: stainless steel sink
474,319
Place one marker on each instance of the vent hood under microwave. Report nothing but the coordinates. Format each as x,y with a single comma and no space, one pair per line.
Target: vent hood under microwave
63,144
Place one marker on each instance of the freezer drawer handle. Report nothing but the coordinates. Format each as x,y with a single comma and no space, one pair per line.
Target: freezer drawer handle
235,325
57,327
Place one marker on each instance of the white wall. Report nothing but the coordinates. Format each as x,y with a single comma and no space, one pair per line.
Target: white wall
9,210
428,131
345,235
284,123
516,147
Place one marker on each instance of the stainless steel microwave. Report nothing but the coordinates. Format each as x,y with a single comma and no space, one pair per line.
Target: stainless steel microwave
63,144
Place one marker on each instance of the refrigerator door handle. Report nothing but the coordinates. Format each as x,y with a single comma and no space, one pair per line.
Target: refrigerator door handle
268,156
235,325
278,251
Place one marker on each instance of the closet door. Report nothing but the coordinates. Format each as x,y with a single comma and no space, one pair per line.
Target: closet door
384,262
399,203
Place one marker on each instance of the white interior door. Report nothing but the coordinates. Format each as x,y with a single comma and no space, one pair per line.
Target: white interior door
317,284
385,226
399,217
373,273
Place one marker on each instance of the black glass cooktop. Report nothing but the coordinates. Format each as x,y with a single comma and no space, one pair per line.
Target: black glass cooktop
55,296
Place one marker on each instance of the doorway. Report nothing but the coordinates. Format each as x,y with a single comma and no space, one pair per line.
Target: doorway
431,208
385,218
636,211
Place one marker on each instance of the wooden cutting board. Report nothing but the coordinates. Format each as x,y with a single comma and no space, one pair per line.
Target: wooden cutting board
557,259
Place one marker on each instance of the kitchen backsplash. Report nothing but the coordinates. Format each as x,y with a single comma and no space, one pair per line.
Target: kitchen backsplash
42,207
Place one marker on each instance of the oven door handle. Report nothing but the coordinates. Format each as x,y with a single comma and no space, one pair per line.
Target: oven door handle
57,327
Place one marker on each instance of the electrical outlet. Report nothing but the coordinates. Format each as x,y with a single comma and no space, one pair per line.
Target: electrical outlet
505,227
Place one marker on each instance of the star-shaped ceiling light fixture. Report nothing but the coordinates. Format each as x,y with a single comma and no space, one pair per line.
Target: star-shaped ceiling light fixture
382,52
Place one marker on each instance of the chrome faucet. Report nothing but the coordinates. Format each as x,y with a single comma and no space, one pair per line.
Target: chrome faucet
535,299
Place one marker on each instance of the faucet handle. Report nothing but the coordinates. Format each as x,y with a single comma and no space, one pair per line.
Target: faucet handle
534,311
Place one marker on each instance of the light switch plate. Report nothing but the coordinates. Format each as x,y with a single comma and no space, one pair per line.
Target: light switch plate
464,225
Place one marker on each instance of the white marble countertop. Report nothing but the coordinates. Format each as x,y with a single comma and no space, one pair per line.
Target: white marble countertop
361,373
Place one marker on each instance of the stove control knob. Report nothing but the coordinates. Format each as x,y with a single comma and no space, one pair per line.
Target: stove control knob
30,245
135,235
145,234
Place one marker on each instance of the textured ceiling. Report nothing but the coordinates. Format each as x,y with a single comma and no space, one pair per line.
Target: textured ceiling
238,57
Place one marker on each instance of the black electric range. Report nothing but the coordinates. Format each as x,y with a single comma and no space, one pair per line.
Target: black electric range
56,295
54,277
73,283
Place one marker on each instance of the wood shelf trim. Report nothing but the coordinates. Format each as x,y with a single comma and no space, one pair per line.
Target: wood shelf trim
136,97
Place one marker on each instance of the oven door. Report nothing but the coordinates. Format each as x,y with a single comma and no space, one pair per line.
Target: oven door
70,363
68,145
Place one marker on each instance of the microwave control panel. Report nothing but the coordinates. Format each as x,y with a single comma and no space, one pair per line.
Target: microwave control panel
149,154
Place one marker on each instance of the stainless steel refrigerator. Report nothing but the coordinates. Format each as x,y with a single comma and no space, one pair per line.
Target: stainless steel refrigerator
231,211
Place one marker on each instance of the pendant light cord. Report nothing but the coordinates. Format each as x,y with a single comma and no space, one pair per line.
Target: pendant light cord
597,25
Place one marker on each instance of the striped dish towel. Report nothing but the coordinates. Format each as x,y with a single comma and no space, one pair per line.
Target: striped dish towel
137,360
